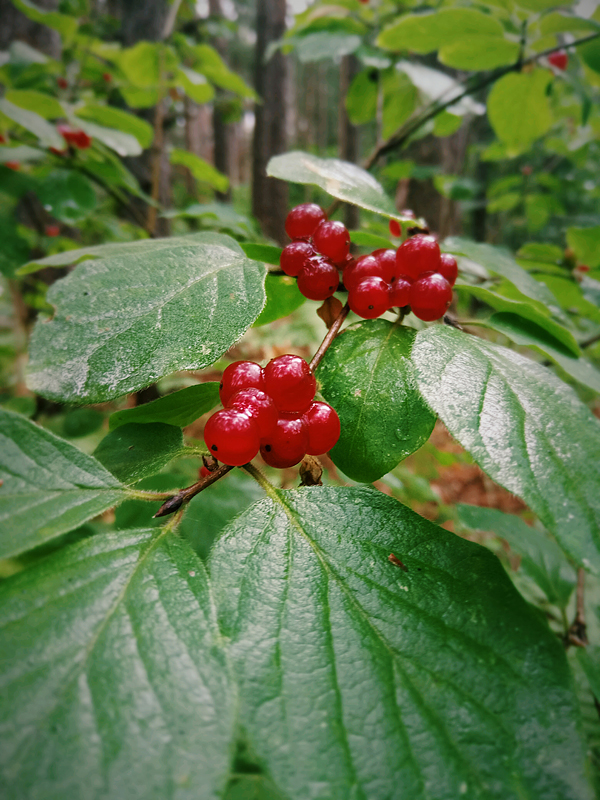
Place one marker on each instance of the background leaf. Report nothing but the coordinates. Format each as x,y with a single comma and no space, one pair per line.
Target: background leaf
118,119
178,408
46,133
67,195
134,451
519,109
200,169
283,297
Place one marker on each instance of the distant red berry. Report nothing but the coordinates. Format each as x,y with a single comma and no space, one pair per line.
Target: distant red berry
370,299
58,152
582,268
52,230
418,255
287,444
318,279
303,220
16,165
2,139
290,383
106,76
323,426
387,259
430,297
203,472
395,228
295,256
448,268
559,59
400,293
63,83
232,436
362,268
332,240
75,136
258,405
240,375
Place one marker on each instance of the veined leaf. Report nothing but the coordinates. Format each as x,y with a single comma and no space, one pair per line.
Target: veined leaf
46,133
178,408
424,33
43,104
283,297
116,118
200,169
519,109
134,451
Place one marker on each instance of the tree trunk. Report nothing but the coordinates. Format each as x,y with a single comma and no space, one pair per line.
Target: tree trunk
347,132
15,26
221,130
269,196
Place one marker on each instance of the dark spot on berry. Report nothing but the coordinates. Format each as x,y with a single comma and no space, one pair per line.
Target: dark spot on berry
214,447
268,448
371,308
221,385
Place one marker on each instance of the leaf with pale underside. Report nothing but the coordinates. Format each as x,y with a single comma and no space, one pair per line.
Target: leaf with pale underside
178,408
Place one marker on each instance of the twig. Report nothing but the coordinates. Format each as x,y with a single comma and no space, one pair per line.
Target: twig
588,342
170,20
175,502
330,336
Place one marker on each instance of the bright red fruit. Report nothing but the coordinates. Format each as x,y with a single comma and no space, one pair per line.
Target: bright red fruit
287,444
370,299
417,255
430,296
106,76
203,472
400,293
52,230
303,220
318,279
258,405
295,256
2,139
290,383
360,269
75,136
63,83
559,59
387,259
395,228
16,165
240,375
323,426
332,240
448,268
232,436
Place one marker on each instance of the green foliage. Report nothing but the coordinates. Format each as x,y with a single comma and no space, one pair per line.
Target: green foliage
283,297
519,109
179,408
67,195
137,450
200,169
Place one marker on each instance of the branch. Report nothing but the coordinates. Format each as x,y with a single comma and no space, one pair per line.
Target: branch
330,336
175,502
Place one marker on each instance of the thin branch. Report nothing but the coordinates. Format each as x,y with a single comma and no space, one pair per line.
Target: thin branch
588,342
170,20
175,502
330,336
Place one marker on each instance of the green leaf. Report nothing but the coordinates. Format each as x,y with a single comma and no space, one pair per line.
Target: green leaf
399,100
361,99
118,119
82,422
434,84
541,251
43,104
586,244
526,332
446,124
542,560
210,63
222,217
591,669
65,25
145,63
479,52
147,309
49,486
200,169
21,153
124,144
556,22
267,253
590,54
14,248
424,33
519,109
194,85
368,377
134,451
322,45
67,195
115,679
178,408
372,240
369,681
283,297
523,426
34,123
340,179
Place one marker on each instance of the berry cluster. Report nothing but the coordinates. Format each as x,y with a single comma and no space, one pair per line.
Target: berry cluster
416,275
271,410
74,136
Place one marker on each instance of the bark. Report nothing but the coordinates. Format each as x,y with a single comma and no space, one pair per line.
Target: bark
347,132
221,130
15,26
269,196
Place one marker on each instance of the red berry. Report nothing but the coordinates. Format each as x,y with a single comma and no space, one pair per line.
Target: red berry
448,268
287,444
332,240
430,296
418,255
63,83
258,405
203,472
323,426
290,383
387,259
57,152
232,436
240,375
400,292
16,165
370,299
52,230
106,76
74,136
295,256
395,228
362,268
2,139
318,279
303,220
559,59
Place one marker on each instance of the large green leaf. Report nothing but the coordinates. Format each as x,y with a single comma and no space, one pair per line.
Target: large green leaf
46,133
178,408
67,195
64,24
399,100
200,169
423,33
48,486
210,63
586,244
519,109
368,377
134,450
195,85
118,119
283,297
124,144
324,45
41,103
150,309
147,64
361,98
359,679
523,426
114,680
479,52
338,178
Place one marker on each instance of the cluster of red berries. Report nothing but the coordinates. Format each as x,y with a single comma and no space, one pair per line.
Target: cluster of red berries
74,136
415,275
271,410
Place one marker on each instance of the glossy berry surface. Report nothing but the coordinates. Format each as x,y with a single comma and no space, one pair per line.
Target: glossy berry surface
399,295
361,269
418,255
395,228
318,279
387,260
232,436
290,383
448,268
75,136
323,426
286,446
258,405
430,297
332,240
560,59
303,220
370,299
295,256
203,472
240,375
52,230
